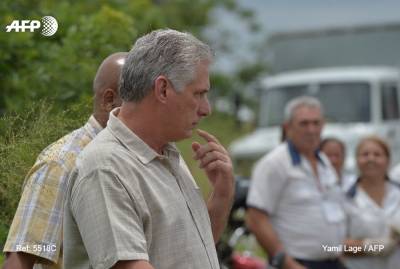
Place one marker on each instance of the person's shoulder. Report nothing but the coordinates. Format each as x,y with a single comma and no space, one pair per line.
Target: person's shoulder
276,153
392,192
104,151
394,185
274,159
61,149
280,154
96,153
95,159
327,165
352,190
324,159
101,143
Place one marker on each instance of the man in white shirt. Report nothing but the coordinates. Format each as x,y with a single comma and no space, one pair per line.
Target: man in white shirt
294,205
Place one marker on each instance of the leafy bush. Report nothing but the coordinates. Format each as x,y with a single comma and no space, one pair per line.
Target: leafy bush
61,67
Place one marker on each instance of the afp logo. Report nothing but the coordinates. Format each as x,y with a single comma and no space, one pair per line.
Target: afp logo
49,26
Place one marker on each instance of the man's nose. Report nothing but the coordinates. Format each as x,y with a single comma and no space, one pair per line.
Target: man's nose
204,108
313,127
371,157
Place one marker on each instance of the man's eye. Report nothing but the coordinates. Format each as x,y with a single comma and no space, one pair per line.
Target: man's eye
200,94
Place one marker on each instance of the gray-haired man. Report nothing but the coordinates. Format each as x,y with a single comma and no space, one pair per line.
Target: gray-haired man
132,202
294,201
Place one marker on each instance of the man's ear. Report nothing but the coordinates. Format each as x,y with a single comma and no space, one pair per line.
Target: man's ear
110,99
161,85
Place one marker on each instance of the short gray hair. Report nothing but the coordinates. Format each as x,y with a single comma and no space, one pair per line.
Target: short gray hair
307,101
162,52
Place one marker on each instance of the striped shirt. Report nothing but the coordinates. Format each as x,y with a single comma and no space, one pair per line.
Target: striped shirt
37,224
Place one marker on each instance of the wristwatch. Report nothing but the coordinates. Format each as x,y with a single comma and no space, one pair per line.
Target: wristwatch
278,259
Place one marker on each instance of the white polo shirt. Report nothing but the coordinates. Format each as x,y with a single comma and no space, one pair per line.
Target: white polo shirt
348,180
395,173
366,219
306,213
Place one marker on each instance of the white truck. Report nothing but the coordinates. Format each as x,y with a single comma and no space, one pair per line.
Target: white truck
357,101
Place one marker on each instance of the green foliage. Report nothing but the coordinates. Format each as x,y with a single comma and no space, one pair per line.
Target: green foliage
24,136
61,67
238,82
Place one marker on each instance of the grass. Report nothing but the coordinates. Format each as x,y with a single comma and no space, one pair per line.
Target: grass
23,137
220,125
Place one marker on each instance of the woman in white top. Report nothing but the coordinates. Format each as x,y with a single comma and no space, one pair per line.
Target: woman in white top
373,208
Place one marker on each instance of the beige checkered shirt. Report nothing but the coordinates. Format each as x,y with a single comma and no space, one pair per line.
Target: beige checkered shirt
37,224
126,202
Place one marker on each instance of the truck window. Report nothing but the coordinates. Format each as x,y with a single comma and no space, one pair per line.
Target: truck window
389,101
273,102
346,102
343,102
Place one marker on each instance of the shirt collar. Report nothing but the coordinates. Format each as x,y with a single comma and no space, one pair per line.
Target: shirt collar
351,193
133,143
93,127
295,154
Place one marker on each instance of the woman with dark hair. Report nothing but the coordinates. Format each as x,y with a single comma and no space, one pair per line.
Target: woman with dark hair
373,210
